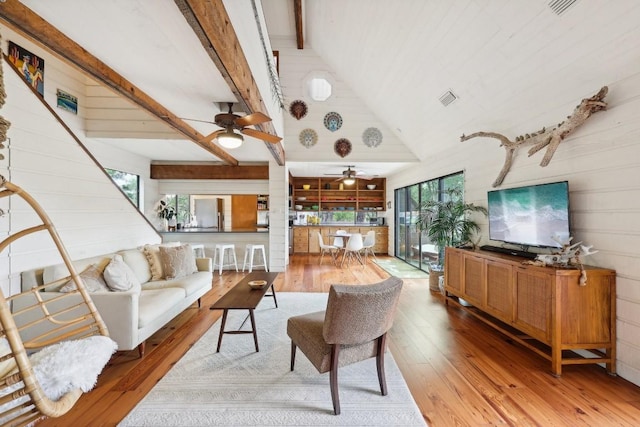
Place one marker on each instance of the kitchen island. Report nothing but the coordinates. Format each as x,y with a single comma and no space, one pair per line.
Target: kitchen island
210,236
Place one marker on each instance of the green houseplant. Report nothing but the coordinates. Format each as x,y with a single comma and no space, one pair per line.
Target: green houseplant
447,221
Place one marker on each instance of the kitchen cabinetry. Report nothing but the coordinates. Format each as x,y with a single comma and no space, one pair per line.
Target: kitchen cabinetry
305,238
545,303
324,194
300,240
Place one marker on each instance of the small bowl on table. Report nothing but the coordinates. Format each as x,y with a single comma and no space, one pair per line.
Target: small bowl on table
257,284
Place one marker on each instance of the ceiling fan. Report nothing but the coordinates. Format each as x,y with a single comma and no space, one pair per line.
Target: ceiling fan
349,175
230,122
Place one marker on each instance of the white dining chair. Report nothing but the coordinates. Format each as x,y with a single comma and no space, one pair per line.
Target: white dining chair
368,244
338,241
326,248
353,248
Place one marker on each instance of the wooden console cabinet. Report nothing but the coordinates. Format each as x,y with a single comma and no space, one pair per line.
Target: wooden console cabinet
547,304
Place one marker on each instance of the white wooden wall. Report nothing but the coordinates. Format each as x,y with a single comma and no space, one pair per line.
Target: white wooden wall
601,161
88,210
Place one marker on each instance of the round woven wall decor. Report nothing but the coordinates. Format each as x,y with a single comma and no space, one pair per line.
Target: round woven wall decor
298,109
372,137
342,147
333,121
308,138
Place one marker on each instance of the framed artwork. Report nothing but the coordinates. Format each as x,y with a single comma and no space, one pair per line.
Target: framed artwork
31,66
66,101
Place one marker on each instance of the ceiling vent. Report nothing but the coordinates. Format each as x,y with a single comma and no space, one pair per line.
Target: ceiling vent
447,98
560,6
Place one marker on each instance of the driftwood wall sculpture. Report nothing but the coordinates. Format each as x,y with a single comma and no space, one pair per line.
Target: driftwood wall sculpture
549,138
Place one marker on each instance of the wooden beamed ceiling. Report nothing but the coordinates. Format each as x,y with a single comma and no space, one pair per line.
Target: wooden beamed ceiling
190,171
211,24
24,20
297,10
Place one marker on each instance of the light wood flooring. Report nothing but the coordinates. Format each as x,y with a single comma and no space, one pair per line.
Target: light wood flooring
460,371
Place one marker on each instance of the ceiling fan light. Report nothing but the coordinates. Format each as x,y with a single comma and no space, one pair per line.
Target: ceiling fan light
230,140
349,181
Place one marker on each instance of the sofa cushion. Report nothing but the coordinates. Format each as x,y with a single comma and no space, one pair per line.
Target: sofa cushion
53,273
137,262
154,302
190,284
92,279
152,252
177,261
119,276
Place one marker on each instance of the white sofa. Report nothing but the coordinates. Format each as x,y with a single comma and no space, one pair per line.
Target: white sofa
134,315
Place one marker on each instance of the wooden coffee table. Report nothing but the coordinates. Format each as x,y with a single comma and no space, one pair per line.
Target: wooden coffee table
243,297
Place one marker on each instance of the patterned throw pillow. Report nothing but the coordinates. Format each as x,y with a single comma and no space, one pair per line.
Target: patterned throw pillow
152,252
177,261
92,279
119,276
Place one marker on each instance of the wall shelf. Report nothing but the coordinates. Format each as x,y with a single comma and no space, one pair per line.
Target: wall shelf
324,194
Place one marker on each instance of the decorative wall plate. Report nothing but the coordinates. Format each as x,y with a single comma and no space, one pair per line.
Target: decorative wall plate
333,121
298,109
342,147
308,137
372,137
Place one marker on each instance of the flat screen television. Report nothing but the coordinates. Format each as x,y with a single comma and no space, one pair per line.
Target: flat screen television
530,215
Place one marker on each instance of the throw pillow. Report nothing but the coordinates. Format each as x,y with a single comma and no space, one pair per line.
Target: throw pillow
178,261
92,279
152,252
119,276
68,365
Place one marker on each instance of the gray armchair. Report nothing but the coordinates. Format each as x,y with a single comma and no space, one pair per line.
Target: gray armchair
353,328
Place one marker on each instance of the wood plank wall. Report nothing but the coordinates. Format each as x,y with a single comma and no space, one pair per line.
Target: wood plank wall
601,162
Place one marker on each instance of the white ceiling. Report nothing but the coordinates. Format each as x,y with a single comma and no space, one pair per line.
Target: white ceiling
505,60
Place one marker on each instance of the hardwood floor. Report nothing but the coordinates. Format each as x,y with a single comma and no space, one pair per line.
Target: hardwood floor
460,371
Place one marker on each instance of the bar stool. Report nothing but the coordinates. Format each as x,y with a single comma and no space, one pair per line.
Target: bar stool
219,255
249,251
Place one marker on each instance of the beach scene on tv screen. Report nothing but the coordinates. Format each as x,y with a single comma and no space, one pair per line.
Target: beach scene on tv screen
529,216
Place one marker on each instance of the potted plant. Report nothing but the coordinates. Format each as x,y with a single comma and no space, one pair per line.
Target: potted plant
447,222
166,213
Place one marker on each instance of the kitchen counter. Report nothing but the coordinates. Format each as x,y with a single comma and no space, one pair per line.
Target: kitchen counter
339,225
215,230
207,238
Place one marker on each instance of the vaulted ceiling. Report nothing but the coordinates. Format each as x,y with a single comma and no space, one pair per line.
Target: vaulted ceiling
502,62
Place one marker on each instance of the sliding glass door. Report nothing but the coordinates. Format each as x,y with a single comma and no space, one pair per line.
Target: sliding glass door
412,244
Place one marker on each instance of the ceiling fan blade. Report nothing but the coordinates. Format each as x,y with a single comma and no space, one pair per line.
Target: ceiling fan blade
212,136
252,119
261,135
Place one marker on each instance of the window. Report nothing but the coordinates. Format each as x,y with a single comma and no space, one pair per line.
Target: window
411,244
319,85
128,183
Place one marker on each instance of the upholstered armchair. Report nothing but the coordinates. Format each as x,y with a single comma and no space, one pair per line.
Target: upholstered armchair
352,328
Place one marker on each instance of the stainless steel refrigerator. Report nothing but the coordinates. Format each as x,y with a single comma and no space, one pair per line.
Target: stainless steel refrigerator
209,213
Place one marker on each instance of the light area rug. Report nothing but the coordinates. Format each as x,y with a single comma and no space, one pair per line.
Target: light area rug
239,387
401,269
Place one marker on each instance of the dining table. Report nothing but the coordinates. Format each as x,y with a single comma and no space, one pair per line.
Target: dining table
346,236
